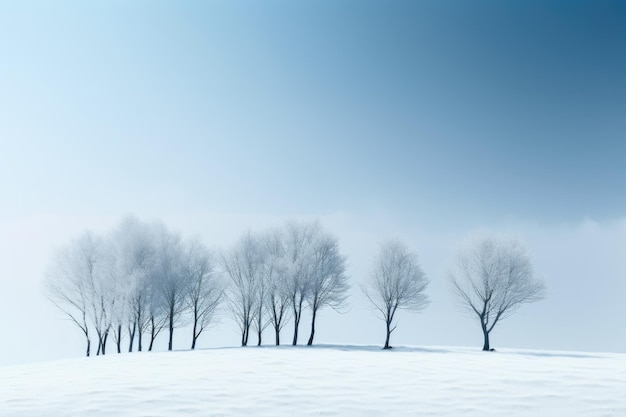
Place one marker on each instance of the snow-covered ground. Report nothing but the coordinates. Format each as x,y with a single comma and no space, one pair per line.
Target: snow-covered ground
321,381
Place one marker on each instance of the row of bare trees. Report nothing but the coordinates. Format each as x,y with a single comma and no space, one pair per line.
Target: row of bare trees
275,275
142,278
139,279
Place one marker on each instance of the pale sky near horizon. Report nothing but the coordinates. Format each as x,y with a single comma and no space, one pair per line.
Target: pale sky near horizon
425,120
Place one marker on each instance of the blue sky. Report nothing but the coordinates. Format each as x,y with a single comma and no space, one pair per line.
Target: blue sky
429,116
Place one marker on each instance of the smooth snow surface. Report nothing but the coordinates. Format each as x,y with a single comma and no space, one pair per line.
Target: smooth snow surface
321,381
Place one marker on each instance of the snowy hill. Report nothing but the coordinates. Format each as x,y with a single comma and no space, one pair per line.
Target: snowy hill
321,381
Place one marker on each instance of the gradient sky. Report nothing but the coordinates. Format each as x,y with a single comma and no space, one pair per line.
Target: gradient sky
424,120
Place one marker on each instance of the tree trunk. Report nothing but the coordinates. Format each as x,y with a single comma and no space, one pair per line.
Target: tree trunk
88,346
104,342
195,326
152,333
259,337
388,336
310,342
140,331
151,344
119,338
296,323
295,333
277,331
486,337
169,346
247,334
131,336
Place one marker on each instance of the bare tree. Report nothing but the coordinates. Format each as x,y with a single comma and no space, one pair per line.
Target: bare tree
156,312
300,240
102,300
274,270
134,251
168,279
69,278
492,278
261,318
204,292
396,282
243,264
328,283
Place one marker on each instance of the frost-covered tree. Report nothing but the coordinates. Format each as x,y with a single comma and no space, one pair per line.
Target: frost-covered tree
261,318
396,282
204,290
69,281
134,252
328,283
300,240
104,294
243,265
493,277
170,282
275,275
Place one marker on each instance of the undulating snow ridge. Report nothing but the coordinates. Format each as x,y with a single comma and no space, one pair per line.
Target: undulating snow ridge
321,381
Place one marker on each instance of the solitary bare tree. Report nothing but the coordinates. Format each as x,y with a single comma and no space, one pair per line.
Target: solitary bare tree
328,283
492,278
396,282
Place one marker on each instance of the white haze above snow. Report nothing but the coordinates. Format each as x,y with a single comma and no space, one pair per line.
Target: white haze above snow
583,266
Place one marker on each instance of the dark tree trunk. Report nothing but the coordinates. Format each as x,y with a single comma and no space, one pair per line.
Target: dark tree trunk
259,337
247,334
310,342
277,332
388,336
195,326
296,322
131,336
140,332
153,334
99,346
119,338
485,337
104,342
139,339
295,332
169,346
88,346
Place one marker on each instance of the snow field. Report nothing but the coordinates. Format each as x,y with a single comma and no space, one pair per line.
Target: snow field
321,381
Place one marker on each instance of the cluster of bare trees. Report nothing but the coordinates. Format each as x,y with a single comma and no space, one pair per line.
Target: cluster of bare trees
138,280
275,275
142,278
